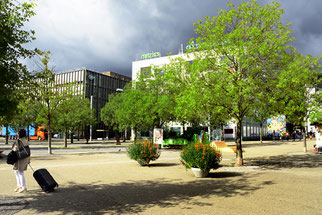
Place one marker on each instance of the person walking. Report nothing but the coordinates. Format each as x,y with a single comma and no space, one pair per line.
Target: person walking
294,135
21,165
287,135
300,135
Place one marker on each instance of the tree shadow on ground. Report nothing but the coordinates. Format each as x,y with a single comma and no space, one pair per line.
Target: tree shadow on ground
286,161
10,205
138,196
164,164
224,174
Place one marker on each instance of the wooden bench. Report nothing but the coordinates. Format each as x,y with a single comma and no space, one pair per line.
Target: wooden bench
221,145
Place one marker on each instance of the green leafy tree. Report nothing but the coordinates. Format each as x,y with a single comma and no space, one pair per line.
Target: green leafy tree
195,104
113,114
264,108
135,109
13,37
73,113
48,95
238,57
296,84
85,116
128,109
157,95
26,114
142,105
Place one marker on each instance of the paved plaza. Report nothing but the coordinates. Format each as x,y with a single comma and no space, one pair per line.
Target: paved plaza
99,178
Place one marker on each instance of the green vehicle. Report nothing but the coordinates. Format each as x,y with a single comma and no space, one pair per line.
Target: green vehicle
174,142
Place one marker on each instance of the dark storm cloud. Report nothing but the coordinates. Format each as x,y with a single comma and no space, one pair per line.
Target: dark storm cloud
305,18
108,35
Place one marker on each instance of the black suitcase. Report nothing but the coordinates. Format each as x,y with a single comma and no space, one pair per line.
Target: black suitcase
45,180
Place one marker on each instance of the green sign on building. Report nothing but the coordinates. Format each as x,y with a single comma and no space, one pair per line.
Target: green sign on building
150,55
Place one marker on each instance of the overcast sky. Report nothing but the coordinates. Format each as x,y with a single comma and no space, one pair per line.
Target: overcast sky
107,35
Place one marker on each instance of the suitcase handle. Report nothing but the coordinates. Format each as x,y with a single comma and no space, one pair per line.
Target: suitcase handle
31,168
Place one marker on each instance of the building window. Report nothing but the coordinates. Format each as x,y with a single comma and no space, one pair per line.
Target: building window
228,131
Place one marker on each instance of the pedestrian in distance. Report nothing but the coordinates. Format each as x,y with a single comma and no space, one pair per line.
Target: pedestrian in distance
21,165
294,135
300,136
311,135
287,135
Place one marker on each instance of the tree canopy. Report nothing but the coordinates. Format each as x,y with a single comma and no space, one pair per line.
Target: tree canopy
296,89
237,60
74,112
13,37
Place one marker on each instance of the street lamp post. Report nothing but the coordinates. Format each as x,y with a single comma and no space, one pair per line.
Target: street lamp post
91,126
92,78
118,90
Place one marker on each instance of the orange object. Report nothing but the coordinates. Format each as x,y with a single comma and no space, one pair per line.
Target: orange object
40,134
221,145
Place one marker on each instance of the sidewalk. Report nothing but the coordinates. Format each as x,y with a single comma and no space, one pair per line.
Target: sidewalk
279,179
57,146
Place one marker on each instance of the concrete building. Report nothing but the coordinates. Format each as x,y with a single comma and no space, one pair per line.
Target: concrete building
97,87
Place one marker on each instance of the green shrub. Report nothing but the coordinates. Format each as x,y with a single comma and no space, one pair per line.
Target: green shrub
143,151
200,155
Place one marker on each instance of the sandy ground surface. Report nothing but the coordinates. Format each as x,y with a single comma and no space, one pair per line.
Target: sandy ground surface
278,179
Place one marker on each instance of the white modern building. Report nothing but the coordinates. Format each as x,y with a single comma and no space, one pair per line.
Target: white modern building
146,63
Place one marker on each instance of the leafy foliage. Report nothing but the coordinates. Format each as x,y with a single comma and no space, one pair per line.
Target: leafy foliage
157,97
143,151
13,37
296,87
200,155
142,105
297,84
239,55
49,95
74,112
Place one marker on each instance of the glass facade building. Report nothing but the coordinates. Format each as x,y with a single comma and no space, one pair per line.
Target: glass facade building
98,86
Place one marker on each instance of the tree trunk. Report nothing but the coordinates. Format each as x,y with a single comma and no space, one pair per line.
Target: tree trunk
49,132
124,136
304,138
135,132
49,139
71,137
65,138
118,142
222,132
87,137
28,130
239,152
7,134
261,132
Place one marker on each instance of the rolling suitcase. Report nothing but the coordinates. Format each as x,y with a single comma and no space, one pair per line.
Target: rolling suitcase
44,179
